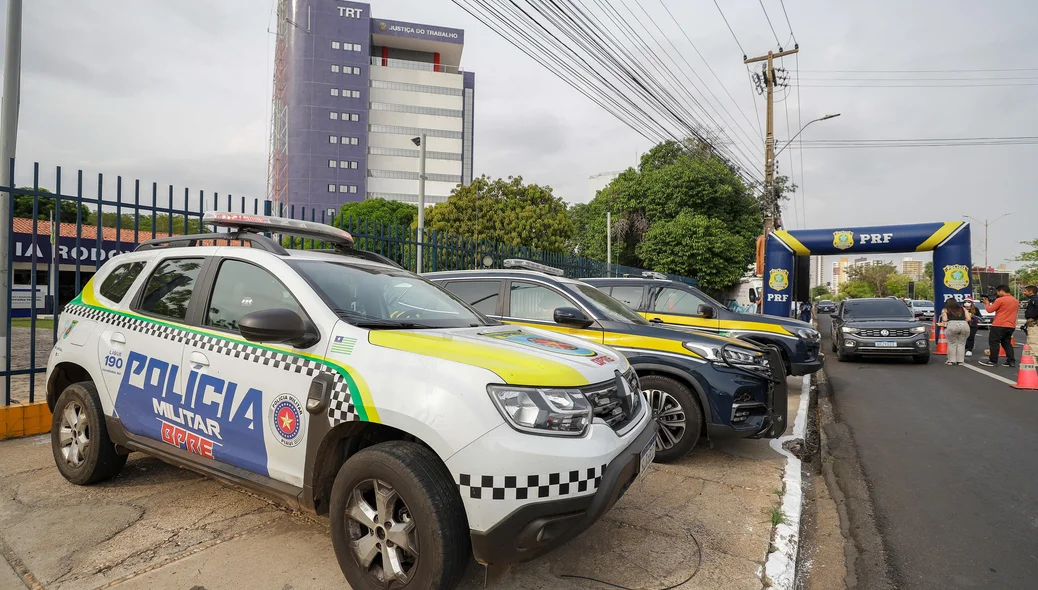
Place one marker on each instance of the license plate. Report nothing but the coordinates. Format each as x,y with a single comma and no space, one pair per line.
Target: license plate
648,454
886,343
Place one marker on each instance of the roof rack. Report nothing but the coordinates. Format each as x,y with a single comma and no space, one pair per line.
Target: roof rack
648,274
266,223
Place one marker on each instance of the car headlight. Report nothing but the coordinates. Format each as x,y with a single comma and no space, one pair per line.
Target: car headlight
918,329
847,330
558,412
734,354
808,334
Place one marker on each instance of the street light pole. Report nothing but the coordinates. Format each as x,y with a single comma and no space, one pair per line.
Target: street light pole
8,141
833,116
420,141
609,243
986,224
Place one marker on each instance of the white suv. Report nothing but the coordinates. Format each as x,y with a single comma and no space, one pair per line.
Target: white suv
343,385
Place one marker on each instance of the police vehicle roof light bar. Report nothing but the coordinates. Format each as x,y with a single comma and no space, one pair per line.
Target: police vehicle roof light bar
531,265
265,223
648,274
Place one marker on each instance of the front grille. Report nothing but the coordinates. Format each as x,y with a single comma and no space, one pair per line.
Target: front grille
617,401
891,332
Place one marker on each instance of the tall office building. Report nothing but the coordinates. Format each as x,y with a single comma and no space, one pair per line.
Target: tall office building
839,273
913,268
818,271
351,92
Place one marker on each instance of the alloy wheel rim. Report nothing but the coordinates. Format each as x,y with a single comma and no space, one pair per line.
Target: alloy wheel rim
381,532
74,434
670,418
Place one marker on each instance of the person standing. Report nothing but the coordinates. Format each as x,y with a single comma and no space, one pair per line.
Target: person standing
971,308
955,321
1000,335
805,312
1031,317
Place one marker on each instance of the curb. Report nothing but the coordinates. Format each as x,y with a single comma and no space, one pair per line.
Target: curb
780,568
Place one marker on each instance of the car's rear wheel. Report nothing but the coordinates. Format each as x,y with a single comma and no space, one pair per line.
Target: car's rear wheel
397,520
679,419
79,437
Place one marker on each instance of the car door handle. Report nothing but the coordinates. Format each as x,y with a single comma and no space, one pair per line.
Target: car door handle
118,338
198,358
656,321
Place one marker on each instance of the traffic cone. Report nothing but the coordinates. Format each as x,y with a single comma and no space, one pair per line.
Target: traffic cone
933,330
1012,343
942,344
1026,377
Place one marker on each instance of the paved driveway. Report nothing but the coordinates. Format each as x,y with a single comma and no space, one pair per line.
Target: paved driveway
159,527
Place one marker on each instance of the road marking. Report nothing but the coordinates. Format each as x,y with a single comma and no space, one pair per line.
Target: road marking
780,567
990,374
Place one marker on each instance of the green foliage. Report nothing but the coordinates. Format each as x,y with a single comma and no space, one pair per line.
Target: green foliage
1028,273
821,292
45,207
923,289
674,189
694,245
856,289
505,211
928,270
381,210
162,223
875,276
897,285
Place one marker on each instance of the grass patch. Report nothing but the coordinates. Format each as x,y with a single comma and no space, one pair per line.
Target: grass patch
776,515
41,324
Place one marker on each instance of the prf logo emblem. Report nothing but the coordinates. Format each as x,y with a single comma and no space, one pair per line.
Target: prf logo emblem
843,239
778,280
956,276
382,27
285,419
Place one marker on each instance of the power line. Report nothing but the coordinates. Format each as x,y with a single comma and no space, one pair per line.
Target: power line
786,14
823,78
800,125
730,29
917,142
924,71
1000,85
777,42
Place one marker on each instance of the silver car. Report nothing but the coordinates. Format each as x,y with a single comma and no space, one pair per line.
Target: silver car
922,309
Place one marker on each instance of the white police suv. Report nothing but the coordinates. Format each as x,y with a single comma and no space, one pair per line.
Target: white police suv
337,382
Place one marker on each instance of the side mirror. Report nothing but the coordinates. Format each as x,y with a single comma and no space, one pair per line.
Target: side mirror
753,296
277,325
834,316
571,316
705,311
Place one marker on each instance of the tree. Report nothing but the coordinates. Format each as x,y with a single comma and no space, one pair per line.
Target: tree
672,180
897,285
505,211
45,206
923,289
857,288
875,275
821,292
1028,273
694,245
928,270
380,211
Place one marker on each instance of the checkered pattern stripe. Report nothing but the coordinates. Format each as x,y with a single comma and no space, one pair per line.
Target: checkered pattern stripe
529,487
341,408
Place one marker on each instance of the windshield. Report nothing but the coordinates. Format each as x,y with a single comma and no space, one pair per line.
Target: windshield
923,303
825,302
611,308
380,297
876,308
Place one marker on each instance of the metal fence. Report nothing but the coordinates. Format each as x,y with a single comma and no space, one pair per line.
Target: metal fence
58,237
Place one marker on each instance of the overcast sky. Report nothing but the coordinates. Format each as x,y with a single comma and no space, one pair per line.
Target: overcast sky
179,92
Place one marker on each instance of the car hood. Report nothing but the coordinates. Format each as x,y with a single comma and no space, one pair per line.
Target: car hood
882,323
789,324
686,334
518,355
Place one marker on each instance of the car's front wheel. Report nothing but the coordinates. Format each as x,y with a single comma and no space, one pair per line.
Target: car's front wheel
397,520
79,437
679,419
842,356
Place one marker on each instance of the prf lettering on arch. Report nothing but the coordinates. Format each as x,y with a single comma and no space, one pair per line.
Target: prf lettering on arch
960,297
351,12
875,238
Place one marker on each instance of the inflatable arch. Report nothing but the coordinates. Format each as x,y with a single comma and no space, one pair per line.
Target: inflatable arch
949,241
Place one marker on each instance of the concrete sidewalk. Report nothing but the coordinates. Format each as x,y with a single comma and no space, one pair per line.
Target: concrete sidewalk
159,527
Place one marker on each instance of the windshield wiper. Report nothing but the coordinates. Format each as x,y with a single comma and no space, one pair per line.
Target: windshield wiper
363,320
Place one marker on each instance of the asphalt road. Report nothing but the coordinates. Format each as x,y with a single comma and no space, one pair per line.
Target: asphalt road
949,455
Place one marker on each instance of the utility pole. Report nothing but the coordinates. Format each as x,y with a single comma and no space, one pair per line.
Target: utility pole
766,83
8,140
986,223
420,140
609,243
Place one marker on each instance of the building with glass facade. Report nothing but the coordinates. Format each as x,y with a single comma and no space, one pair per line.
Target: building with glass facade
357,90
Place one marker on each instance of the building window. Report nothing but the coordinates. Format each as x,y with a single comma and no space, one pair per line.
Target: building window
333,116
353,165
335,91
353,189
335,68
413,131
405,175
344,164
344,188
333,139
354,141
331,188
335,44
409,153
344,140
416,87
414,109
356,70
355,93
331,163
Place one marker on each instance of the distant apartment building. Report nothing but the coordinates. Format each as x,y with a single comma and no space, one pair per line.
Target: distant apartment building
358,89
817,271
840,273
913,268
